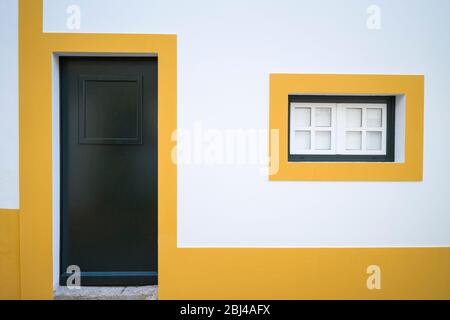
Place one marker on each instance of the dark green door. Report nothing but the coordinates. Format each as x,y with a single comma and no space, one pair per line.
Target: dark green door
109,170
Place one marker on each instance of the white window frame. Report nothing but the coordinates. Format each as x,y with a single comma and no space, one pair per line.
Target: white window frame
342,128
312,128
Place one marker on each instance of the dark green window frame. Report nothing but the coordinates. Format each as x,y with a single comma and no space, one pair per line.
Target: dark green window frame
390,128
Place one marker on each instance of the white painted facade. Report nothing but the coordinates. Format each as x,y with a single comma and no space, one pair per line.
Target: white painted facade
9,111
226,51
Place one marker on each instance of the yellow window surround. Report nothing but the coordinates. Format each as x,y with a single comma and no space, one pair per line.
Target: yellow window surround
409,86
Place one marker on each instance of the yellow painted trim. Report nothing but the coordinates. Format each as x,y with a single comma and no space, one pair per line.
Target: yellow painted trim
307,273
35,99
189,273
9,254
281,85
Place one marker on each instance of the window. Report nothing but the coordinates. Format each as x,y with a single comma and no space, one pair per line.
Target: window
341,128
403,96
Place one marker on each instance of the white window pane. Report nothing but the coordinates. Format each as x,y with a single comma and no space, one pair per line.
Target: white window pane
373,140
323,140
353,140
323,117
303,140
353,117
374,117
301,117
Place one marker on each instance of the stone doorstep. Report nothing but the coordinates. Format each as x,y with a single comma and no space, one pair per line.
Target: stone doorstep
107,293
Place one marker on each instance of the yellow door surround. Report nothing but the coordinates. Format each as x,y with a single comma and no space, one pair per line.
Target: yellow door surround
411,86
190,273
35,87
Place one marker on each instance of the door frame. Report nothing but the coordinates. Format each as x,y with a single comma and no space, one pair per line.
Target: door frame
38,98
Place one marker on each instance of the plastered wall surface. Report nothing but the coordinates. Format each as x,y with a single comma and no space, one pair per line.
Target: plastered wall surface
9,121
9,152
226,52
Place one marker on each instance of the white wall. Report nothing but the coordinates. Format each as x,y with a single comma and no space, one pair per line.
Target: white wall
226,50
9,121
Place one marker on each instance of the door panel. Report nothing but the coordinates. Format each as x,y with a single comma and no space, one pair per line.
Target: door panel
109,169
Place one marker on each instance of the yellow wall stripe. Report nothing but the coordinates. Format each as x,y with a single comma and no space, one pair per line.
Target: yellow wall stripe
9,254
